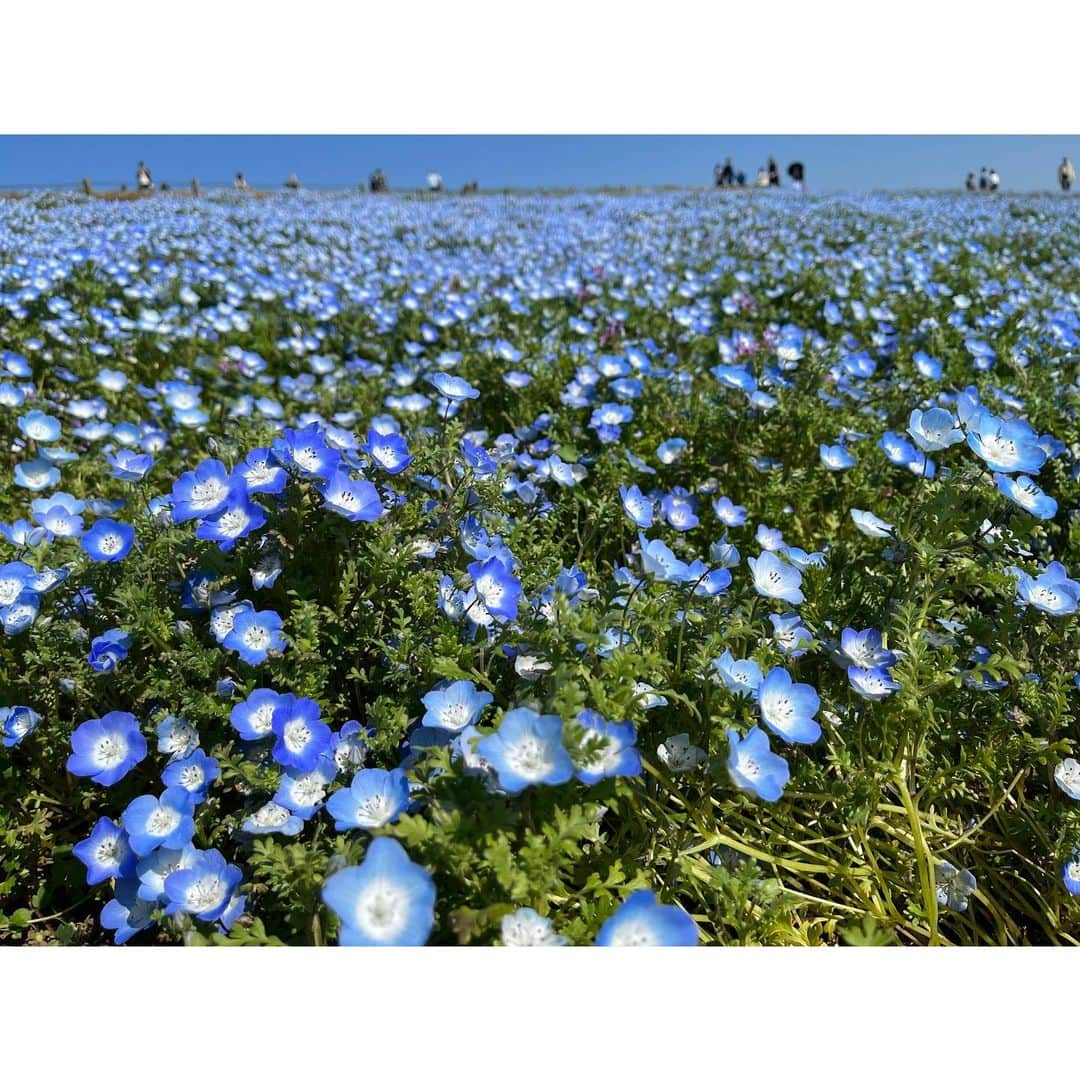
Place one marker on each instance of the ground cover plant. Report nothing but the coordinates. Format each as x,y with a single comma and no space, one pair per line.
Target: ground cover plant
539,570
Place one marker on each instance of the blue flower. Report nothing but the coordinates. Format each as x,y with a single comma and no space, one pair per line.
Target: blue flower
153,870
613,752
934,429
642,920
375,798
107,540
527,749
954,887
1070,874
40,426
836,458
261,473
788,708
204,889
1052,592
496,586
105,853
451,387
1005,445
776,579
106,749
254,718
354,500
741,677
303,791
1023,491
126,913
16,722
302,738
307,452
386,900
679,508
236,518
790,634
873,684
753,767
638,507
194,773
865,649
127,465
153,822
272,818
669,452
37,475
454,706
389,451
59,515
871,525
660,562
255,635
201,492
730,514
108,649
525,928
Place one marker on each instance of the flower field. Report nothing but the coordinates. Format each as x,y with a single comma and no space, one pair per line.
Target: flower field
616,569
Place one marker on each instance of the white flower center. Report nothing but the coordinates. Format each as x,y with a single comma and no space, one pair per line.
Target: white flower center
110,751
162,821
208,493
530,758
382,910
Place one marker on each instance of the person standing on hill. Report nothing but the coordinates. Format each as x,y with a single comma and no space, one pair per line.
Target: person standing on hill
725,176
969,183
797,171
1066,174
984,180
142,178
240,183
774,174
995,180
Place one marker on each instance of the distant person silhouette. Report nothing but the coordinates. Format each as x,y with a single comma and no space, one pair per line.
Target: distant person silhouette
240,183
984,180
377,182
1066,174
293,183
142,178
434,182
774,174
797,172
725,176
995,180
969,183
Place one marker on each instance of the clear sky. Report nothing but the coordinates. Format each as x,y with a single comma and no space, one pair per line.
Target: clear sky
833,162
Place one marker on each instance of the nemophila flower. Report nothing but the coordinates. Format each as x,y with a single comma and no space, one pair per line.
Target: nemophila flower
770,539
255,635
790,634
678,508
106,749
204,889
16,722
934,429
678,754
927,366
237,517
59,515
108,649
741,677
272,818
1070,874
127,465
375,798
254,718
105,853
954,887
753,767
638,507
154,869
389,451
307,452
21,533
1052,592
525,927
301,737
1067,777
451,387
871,525
201,492
303,791
37,475
15,579
194,773
354,500
386,900
454,706
607,748
873,684
1005,445
266,571
865,648
660,562
730,514
261,473
836,458
19,616
39,426
642,920
670,451
527,749
788,708
126,913
153,822
775,579
107,540
496,586
1023,491
224,614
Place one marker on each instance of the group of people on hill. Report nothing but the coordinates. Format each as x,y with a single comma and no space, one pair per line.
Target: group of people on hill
988,180
768,176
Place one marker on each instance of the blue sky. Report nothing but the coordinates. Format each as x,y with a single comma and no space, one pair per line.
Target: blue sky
833,162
